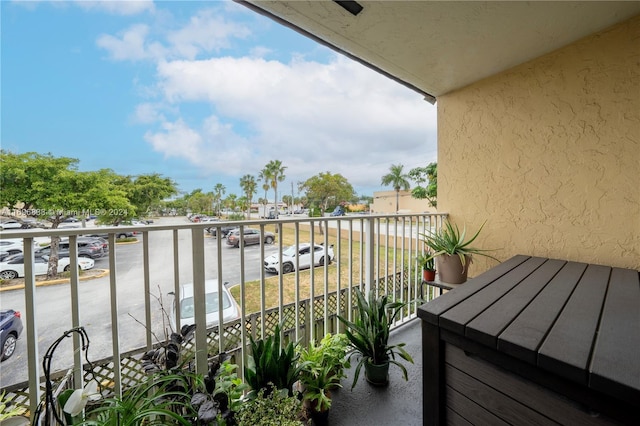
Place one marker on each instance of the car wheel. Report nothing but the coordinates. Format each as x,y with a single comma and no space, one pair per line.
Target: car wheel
287,268
321,262
120,236
9,347
8,275
268,240
67,268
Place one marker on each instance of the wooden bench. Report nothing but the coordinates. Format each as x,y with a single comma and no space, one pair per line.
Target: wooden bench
534,341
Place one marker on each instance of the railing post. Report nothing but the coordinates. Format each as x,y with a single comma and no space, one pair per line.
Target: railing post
369,257
32,325
147,288
199,300
115,334
74,279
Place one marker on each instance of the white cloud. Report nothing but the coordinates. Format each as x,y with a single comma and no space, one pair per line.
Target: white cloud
148,113
118,7
131,45
205,32
177,140
338,117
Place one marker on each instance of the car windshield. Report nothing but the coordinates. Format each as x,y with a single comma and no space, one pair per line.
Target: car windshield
187,309
290,251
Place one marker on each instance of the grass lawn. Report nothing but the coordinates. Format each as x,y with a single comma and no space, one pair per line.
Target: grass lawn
272,282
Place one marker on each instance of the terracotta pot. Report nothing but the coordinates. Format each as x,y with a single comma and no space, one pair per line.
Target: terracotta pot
428,275
377,375
451,269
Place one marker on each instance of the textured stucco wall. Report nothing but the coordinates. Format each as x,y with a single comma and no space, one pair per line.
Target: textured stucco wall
548,153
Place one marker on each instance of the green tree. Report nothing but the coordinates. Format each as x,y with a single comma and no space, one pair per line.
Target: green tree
288,201
218,191
426,179
275,173
231,202
200,202
248,185
327,188
398,180
150,189
263,176
52,188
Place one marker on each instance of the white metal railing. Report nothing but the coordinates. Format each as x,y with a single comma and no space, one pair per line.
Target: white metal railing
368,250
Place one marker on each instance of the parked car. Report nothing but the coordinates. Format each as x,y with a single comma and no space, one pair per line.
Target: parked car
230,309
224,230
105,235
338,211
6,223
10,330
87,247
13,266
251,236
12,246
303,253
101,241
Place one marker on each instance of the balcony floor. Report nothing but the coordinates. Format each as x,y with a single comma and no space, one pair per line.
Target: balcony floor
400,403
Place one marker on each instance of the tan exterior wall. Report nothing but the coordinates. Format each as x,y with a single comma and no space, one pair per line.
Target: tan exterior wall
384,202
548,153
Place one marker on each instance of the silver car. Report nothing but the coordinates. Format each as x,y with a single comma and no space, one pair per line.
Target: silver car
230,310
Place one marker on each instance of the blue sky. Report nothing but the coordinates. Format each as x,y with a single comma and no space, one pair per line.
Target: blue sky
202,92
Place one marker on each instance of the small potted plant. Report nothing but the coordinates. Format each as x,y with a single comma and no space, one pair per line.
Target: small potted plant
369,337
428,265
322,369
453,253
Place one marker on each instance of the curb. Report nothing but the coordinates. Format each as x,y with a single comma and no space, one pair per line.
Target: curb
103,272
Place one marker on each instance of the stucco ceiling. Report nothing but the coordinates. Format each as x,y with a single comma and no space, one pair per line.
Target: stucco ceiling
436,47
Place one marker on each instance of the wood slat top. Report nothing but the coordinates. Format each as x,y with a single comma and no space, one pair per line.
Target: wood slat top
578,321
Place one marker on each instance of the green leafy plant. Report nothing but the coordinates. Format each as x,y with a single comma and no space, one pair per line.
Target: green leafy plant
270,407
162,400
450,240
323,368
269,363
218,394
8,410
369,333
426,261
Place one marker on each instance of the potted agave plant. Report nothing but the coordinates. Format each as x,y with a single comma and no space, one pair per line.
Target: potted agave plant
453,252
369,337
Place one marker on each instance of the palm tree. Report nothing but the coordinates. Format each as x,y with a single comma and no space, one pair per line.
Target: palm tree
265,178
275,173
219,190
398,180
248,185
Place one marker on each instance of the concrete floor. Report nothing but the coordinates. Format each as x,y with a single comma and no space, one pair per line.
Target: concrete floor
400,403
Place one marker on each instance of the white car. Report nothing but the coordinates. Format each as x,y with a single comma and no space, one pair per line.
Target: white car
10,247
10,224
303,252
230,310
13,266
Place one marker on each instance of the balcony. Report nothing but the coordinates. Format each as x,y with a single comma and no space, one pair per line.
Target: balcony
126,312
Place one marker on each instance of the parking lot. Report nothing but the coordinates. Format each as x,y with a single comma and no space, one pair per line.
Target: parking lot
53,306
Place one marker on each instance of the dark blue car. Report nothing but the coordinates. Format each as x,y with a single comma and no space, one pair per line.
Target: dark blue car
10,330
